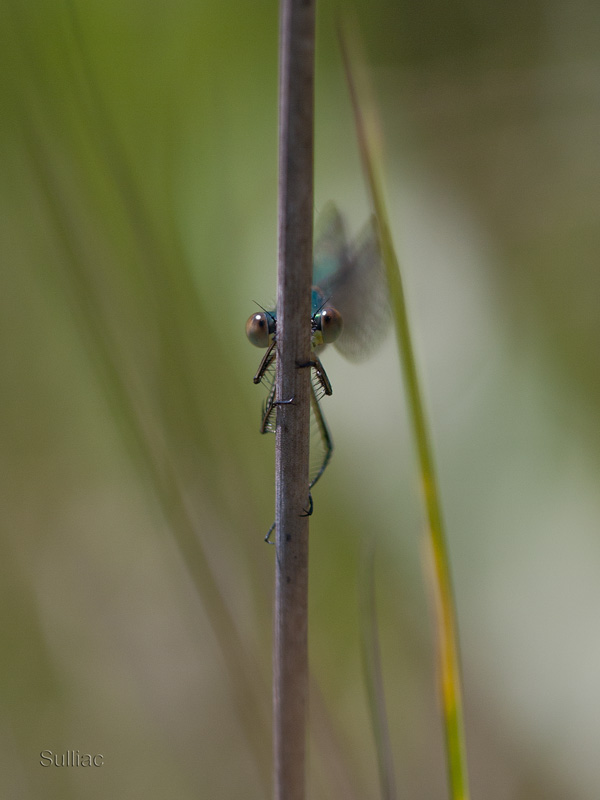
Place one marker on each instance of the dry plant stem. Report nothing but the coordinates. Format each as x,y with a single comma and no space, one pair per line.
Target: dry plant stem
290,655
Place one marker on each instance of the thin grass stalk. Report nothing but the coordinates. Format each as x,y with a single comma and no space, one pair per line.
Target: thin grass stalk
371,656
449,663
294,276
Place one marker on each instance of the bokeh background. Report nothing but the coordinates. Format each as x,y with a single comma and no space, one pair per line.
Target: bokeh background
138,162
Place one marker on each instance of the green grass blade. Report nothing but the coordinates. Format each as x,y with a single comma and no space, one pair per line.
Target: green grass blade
449,668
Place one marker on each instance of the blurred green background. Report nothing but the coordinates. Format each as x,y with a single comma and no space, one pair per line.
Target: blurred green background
138,174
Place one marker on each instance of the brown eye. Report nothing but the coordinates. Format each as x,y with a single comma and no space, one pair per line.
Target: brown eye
260,329
329,322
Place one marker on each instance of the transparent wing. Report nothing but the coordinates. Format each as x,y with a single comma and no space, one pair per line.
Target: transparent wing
330,251
358,289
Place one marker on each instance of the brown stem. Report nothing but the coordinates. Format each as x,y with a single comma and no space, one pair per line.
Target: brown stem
290,656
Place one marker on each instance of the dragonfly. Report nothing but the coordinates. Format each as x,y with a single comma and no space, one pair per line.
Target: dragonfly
349,309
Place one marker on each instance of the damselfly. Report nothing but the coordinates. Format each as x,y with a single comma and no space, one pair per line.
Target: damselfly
349,308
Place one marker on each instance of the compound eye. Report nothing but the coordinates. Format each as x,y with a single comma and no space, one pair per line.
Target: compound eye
260,328
330,324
